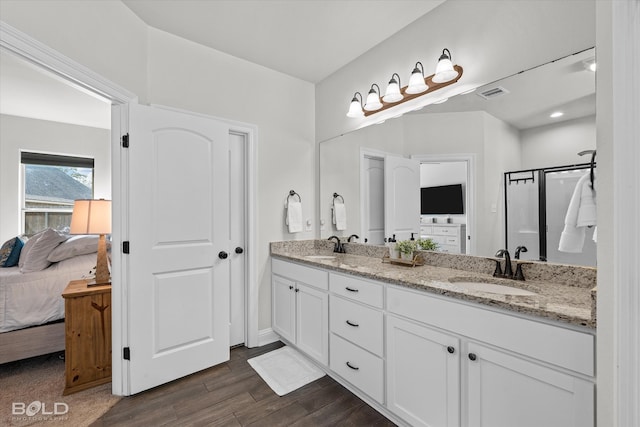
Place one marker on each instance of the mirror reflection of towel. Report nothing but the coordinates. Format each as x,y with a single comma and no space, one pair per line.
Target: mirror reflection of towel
294,216
340,216
580,214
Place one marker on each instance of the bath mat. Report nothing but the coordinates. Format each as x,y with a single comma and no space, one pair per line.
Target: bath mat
285,370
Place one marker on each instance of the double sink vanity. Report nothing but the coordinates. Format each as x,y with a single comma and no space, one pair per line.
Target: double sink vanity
444,343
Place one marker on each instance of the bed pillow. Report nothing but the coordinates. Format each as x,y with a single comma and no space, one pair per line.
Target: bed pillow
76,245
10,252
28,244
36,257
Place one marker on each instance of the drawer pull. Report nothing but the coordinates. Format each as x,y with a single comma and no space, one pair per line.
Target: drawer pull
355,325
355,368
351,289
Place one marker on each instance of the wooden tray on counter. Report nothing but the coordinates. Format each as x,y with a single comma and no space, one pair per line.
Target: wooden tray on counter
416,261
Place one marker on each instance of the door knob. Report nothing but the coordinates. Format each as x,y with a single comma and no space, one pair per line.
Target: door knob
223,255
239,250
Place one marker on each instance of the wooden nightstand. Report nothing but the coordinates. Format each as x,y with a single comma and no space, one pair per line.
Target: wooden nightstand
87,313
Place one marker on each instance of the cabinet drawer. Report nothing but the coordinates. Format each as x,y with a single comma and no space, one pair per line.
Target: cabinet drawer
357,289
451,240
426,229
443,230
359,367
357,323
560,346
300,273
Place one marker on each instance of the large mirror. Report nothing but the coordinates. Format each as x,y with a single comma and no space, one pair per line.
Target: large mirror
463,148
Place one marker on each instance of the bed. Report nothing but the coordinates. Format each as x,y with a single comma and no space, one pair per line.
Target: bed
31,305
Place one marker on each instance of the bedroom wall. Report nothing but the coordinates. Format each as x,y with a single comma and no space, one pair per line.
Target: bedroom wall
20,133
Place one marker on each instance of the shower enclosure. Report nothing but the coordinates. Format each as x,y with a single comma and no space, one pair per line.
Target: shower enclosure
536,203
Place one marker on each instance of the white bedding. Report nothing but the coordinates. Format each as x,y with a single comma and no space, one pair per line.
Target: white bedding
30,299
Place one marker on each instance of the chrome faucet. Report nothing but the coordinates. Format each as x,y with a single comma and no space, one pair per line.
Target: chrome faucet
508,271
339,248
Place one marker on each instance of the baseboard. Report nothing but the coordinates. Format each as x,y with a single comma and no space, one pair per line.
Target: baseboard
267,336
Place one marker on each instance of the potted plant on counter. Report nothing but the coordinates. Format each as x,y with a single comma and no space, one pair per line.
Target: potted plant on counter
406,249
427,244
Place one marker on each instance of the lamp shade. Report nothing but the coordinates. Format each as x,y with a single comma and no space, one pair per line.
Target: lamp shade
444,68
373,100
393,90
355,108
91,216
416,81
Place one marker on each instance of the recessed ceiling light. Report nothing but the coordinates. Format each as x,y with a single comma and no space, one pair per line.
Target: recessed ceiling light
556,114
590,64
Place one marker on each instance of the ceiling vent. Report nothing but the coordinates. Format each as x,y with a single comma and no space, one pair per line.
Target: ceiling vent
493,92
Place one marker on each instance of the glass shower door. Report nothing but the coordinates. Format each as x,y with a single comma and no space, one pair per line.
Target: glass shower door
559,187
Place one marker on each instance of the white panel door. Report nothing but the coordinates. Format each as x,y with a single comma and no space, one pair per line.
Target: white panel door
373,201
401,197
506,391
423,374
179,217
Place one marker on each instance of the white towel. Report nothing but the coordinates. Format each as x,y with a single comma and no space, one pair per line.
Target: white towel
294,216
580,214
339,216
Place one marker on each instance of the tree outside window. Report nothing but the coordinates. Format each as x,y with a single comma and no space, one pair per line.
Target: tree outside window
51,184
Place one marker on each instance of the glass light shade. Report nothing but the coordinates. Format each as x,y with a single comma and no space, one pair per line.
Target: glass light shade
91,217
355,109
373,101
444,69
416,82
393,92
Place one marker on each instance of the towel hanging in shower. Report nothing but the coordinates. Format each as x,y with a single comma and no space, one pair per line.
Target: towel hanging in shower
580,214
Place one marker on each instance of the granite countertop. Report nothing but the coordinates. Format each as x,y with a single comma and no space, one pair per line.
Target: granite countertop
553,301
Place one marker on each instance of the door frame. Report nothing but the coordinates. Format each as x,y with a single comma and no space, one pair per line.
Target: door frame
470,197
84,79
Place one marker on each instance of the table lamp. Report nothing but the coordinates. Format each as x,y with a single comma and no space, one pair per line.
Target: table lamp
94,217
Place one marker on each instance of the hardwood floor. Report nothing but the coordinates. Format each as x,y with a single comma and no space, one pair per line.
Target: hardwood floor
233,394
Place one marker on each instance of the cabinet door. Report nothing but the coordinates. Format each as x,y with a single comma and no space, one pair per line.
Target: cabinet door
312,314
284,308
505,390
423,374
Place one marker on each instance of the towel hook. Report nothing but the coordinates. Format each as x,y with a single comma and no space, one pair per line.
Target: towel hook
593,164
293,193
335,196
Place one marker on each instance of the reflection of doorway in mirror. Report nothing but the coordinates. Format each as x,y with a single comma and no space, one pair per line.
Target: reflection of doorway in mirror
372,200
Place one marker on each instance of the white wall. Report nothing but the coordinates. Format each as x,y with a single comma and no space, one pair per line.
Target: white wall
22,134
189,76
490,39
565,140
163,69
436,174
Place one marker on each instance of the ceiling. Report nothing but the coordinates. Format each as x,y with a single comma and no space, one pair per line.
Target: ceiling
308,39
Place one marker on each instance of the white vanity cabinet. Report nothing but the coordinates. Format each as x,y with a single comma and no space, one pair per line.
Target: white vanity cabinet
423,374
509,371
301,307
356,324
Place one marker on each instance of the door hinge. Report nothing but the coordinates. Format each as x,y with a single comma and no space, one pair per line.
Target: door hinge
126,353
125,247
125,140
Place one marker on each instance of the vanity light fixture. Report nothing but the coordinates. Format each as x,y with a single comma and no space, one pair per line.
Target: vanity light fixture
393,90
444,69
446,74
416,81
373,99
355,108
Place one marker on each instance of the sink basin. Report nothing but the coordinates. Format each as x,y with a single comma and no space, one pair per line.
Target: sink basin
491,288
321,257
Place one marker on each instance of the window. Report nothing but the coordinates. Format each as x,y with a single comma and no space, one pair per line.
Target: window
51,183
